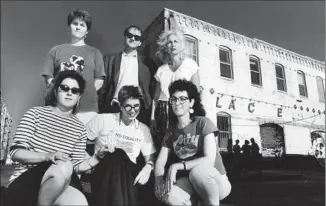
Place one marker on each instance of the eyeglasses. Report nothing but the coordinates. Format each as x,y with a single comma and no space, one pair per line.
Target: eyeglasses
65,88
129,107
182,100
130,35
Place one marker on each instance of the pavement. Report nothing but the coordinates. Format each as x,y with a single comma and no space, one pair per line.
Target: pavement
272,187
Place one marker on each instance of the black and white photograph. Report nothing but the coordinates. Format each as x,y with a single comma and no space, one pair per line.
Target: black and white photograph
136,103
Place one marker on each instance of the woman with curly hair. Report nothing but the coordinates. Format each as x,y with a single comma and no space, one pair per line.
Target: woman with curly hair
176,65
189,162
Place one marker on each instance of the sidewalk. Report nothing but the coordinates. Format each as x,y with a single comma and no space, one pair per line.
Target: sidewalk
250,176
269,188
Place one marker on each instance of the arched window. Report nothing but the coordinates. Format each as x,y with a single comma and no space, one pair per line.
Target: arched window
321,90
302,84
191,47
280,77
224,126
255,70
226,69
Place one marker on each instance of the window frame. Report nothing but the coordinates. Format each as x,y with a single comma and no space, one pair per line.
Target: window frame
230,64
279,78
228,132
253,57
195,40
322,89
304,81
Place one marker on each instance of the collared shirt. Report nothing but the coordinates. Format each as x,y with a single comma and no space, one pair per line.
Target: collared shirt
128,71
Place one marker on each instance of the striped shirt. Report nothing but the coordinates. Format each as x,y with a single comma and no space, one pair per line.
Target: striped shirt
42,130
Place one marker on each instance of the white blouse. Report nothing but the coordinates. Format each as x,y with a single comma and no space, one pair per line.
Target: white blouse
166,76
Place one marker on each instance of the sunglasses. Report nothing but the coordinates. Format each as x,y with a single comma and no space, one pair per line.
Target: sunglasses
130,35
129,107
65,88
182,100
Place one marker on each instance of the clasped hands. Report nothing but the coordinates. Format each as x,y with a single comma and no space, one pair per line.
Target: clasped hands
54,157
163,186
109,146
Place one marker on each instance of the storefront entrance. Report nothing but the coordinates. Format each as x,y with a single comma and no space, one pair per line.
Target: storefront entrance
272,140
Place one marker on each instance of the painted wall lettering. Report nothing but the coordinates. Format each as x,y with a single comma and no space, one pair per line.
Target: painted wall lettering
217,100
251,107
232,105
279,112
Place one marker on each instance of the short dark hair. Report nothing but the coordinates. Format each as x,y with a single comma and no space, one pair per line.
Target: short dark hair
127,92
135,27
57,81
82,15
191,89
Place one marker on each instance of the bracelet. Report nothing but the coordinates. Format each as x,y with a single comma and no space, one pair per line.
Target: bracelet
99,157
184,165
151,164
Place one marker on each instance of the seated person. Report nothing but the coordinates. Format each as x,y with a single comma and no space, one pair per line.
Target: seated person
49,146
116,179
195,165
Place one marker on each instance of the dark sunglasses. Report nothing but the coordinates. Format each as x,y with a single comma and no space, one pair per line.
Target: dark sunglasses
128,107
182,100
65,88
130,35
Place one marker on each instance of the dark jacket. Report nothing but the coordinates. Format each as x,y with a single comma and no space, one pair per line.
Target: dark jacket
112,68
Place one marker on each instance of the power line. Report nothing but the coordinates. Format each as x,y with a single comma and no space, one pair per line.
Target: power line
288,122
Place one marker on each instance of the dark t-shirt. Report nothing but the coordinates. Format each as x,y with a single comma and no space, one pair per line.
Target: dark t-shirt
85,59
188,143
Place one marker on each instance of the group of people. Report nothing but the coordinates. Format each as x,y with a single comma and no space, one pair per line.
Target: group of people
108,100
246,157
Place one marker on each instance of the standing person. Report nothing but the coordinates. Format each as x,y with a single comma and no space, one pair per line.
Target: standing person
49,146
245,156
78,56
189,162
255,156
116,180
126,68
176,65
236,148
236,169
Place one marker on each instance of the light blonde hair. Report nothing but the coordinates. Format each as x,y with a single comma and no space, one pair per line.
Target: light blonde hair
162,41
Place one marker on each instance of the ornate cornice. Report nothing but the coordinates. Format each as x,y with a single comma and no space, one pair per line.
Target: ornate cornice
183,20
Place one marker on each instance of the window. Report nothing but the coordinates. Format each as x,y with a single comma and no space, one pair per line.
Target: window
224,126
226,62
280,77
191,47
321,90
302,84
255,70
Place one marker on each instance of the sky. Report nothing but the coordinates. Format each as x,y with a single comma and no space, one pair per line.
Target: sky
30,29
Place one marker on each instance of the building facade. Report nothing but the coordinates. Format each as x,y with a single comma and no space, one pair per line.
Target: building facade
251,88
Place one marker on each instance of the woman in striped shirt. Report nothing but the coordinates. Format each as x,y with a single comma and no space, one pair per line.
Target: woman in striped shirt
49,146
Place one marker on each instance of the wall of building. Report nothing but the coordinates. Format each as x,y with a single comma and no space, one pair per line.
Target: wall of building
233,96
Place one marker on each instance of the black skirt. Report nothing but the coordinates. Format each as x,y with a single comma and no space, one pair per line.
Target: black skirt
112,181
23,191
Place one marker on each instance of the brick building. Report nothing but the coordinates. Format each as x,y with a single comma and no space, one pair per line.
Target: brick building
252,89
